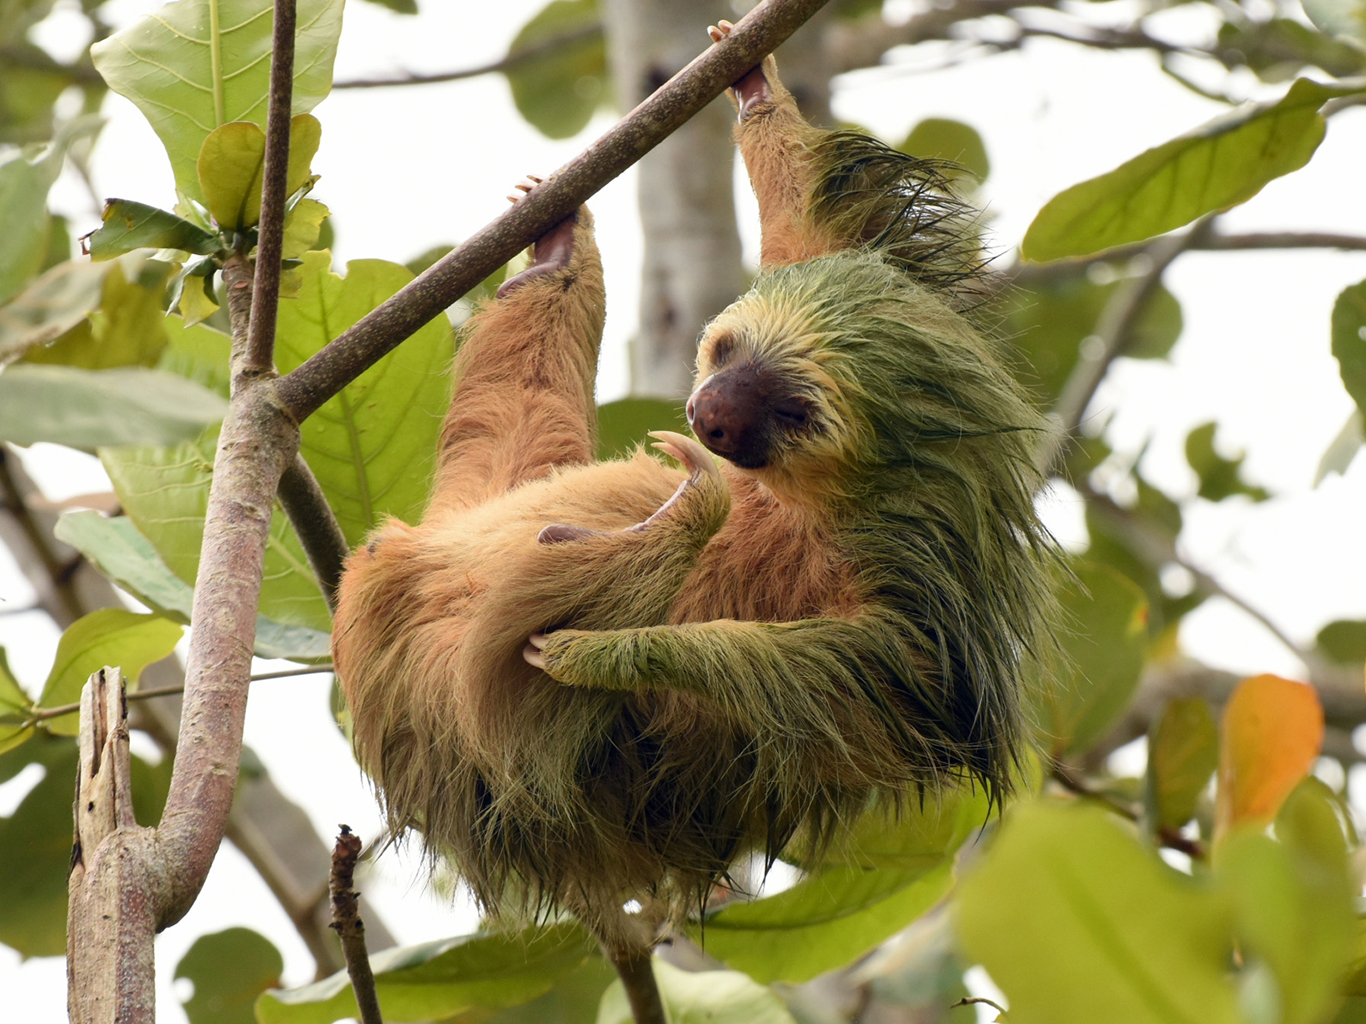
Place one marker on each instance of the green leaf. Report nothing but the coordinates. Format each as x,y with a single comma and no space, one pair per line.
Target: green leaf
1220,478
702,997
1294,913
303,226
1345,19
14,708
436,980
229,970
398,6
1344,641
127,329
1183,752
1105,616
35,847
824,921
128,225
625,424
50,307
1219,165
1048,323
25,177
939,138
1078,922
1277,48
1342,449
1349,341
128,559
194,65
165,491
90,408
372,447
231,162
199,353
557,89
917,835
573,1000
110,636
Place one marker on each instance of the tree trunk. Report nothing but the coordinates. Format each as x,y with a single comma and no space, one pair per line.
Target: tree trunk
691,270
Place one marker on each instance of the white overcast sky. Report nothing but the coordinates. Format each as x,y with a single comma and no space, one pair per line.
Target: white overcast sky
405,169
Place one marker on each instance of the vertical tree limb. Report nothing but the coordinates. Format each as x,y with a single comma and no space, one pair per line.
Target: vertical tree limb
316,526
260,350
113,890
347,923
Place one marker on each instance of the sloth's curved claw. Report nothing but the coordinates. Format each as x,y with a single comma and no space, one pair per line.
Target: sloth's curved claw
687,451
552,251
558,533
532,651
751,89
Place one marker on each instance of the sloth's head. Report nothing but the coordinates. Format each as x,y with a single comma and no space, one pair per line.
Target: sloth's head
840,375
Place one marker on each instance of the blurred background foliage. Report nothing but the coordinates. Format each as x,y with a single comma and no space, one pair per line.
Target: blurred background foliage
1220,882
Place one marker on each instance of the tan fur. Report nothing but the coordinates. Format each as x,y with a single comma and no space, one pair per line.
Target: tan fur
587,792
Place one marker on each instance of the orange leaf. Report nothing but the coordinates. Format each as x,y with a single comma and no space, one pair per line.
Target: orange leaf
1272,733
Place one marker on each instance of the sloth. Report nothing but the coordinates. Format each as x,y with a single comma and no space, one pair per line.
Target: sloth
587,683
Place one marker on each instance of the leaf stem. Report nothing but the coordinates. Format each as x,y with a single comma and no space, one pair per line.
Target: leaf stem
216,63
1166,835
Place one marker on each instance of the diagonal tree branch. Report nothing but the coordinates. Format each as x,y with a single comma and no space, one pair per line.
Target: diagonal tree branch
306,388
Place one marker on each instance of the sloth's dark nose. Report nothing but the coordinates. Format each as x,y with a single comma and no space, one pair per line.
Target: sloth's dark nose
728,414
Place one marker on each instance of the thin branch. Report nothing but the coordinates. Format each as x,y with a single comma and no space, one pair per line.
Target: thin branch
316,526
511,62
1158,550
974,1000
1113,334
13,502
638,979
1169,837
346,922
306,388
1283,240
44,714
259,356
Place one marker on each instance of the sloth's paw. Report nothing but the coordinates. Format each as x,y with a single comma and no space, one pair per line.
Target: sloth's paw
703,494
552,250
751,89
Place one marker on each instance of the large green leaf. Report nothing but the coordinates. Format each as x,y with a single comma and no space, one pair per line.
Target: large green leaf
25,177
440,979
89,408
50,307
1349,341
127,225
1078,923
1295,912
1224,163
194,65
229,970
702,997
165,491
1106,623
939,138
231,162
128,328
626,423
109,636
558,88
373,446
824,921
128,559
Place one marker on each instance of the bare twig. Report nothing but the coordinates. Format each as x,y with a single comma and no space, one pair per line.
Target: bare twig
259,355
1113,334
1169,837
316,526
638,979
57,573
974,1000
511,62
306,388
347,923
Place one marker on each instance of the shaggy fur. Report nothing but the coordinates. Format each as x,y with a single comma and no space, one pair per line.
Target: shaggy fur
854,628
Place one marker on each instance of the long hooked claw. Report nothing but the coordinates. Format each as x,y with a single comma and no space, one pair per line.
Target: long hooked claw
687,451
532,651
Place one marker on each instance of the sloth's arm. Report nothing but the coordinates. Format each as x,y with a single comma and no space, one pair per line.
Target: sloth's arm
524,374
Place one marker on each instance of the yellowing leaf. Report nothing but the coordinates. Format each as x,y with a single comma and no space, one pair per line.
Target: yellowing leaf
303,225
231,162
1272,733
